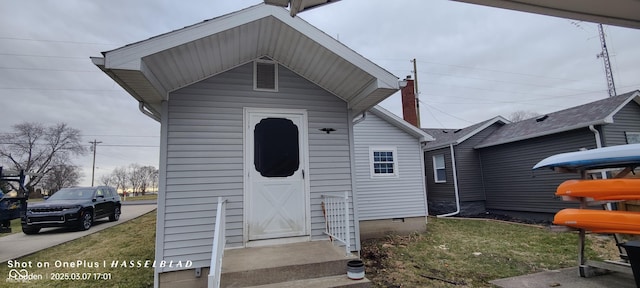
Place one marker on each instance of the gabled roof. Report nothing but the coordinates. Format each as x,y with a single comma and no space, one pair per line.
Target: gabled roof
149,70
445,137
400,123
595,113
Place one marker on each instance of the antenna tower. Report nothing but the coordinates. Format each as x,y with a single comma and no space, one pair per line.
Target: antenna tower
611,87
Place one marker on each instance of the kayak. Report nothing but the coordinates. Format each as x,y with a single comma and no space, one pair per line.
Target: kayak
600,221
601,189
614,156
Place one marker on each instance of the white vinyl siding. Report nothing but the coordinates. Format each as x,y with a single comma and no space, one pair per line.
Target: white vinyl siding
205,156
383,162
388,197
439,169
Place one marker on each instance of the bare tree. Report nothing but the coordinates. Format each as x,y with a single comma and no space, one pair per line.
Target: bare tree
107,180
120,179
520,115
35,148
148,176
61,176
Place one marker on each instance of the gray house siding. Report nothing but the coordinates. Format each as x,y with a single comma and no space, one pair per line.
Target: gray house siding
626,120
388,197
469,172
511,185
205,155
440,196
469,168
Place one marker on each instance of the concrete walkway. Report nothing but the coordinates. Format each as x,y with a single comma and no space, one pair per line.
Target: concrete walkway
567,278
18,245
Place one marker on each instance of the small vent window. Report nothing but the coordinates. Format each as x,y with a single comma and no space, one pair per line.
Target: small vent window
265,75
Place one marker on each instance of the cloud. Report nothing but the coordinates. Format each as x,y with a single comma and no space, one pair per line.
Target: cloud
474,62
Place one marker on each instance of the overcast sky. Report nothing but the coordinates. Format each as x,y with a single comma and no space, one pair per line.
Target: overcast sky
474,62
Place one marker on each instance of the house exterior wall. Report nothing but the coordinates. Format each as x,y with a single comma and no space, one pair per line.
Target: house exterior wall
388,197
511,185
204,157
626,120
469,177
440,196
469,168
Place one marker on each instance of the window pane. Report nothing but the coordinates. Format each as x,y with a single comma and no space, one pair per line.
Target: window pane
276,148
441,175
439,161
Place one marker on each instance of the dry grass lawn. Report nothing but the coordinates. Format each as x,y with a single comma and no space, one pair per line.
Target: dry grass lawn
470,253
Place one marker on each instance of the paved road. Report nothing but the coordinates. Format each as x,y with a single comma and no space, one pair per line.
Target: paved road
18,245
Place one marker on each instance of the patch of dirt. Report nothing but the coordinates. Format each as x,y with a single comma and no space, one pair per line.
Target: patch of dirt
379,259
508,218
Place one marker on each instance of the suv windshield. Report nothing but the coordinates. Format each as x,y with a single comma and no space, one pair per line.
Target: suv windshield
71,194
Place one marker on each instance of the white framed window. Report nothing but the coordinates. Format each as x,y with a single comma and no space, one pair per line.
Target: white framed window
384,162
632,137
439,169
265,75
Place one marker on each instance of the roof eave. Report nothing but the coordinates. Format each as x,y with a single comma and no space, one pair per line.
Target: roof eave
606,120
400,123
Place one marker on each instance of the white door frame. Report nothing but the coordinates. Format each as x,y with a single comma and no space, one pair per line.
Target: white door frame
304,146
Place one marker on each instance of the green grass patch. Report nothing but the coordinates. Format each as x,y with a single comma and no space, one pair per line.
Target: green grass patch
133,240
141,197
468,253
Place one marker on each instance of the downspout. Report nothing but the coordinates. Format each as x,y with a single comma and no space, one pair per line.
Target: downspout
145,111
455,184
596,133
603,174
364,116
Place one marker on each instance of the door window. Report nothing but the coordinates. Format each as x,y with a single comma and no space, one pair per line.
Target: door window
276,147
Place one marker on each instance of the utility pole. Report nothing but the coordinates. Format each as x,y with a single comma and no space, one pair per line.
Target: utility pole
415,86
93,148
611,87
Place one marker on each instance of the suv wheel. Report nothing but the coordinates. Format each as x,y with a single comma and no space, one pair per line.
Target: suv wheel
30,230
86,220
116,214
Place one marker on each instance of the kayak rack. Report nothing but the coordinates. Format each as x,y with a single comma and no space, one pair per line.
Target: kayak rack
590,268
612,162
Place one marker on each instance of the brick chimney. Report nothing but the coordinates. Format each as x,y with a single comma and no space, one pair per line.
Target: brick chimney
409,103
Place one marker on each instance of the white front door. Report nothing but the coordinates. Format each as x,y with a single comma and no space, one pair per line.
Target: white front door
276,195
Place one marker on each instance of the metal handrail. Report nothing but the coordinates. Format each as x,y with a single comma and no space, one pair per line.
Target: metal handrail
336,211
217,249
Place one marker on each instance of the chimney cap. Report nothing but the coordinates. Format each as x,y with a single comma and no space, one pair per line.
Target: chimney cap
408,77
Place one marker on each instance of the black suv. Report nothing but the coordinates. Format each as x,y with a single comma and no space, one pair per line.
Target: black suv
72,207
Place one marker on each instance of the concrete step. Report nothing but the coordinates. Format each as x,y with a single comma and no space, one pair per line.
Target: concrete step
256,266
341,281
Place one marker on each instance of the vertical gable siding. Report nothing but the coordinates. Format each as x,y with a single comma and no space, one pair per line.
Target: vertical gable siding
386,198
439,191
205,155
509,182
626,120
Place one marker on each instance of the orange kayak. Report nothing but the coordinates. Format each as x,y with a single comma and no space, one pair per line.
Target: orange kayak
600,221
601,189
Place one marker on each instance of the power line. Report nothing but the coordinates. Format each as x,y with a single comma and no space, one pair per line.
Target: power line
45,56
443,112
48,69
55,41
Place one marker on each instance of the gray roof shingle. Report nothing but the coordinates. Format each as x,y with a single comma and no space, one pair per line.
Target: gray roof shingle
594,113
444,137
